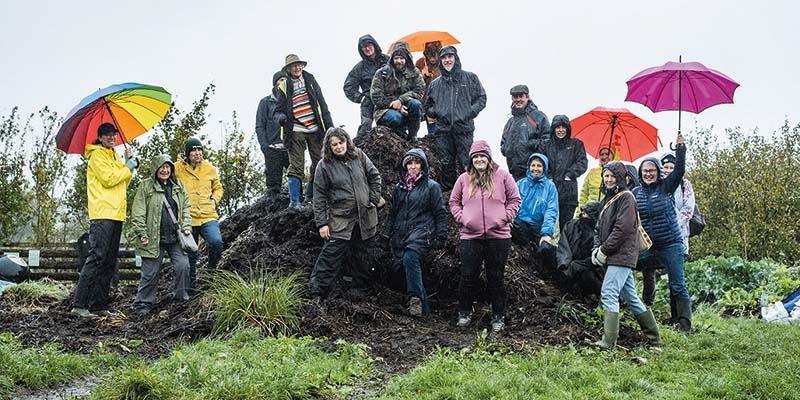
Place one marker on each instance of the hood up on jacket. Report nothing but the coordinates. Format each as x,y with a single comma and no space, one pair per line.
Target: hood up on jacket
659,170
456,66
157,161
545,163
560,120
618,169
480,146
369,39
415,153
402,49
592,208
633,174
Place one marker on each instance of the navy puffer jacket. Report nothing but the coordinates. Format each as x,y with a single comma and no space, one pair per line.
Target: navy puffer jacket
417,218
654,203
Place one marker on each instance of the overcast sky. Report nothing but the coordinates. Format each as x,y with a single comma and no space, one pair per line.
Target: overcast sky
574,55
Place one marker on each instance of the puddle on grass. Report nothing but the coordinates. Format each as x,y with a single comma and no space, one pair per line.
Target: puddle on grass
77,389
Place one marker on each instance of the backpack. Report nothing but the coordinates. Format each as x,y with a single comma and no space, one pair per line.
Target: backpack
698,221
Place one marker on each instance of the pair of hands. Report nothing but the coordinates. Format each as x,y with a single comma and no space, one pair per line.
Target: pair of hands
547,239
131,162
398,105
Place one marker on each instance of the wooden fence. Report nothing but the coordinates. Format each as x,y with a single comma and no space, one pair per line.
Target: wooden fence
60,262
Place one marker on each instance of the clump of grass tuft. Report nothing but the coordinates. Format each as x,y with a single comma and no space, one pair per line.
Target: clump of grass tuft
36,293
260,300
134,384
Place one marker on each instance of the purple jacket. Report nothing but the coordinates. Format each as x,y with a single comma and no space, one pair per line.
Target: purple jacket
483,216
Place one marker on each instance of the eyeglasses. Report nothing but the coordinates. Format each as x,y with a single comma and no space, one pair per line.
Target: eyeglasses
649,171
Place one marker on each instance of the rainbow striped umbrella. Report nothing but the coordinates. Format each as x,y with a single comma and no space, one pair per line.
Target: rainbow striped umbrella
133,108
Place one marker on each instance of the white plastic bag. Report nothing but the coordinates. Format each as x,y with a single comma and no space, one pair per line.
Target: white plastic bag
775,312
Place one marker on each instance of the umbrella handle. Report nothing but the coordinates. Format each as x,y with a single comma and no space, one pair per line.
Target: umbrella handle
672,146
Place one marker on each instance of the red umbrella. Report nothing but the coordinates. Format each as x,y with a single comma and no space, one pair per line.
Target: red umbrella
617,128
682,86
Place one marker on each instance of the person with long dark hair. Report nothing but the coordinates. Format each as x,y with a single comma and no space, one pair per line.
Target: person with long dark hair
347,191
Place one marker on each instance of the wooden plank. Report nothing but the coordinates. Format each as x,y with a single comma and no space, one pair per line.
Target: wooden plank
62,253
66,276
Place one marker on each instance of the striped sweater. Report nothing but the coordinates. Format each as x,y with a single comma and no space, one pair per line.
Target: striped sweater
304,119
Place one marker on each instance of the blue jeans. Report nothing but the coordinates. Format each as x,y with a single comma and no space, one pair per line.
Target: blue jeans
213,237
394,119
617,283
671,257
414,287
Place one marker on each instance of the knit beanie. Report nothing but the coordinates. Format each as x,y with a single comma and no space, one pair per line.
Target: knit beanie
191,144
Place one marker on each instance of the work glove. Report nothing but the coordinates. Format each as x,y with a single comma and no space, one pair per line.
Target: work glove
598,257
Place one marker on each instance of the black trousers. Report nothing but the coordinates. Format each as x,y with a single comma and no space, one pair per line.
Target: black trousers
453,151
565,213
276,162
94,282
331,258
493,254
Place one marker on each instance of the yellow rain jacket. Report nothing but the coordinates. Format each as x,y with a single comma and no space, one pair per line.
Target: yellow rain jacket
591,187
107,180
205,190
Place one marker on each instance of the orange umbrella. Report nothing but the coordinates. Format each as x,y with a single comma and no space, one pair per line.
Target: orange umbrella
416,41
617,128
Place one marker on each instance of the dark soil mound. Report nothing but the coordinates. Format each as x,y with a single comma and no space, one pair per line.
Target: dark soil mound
274,238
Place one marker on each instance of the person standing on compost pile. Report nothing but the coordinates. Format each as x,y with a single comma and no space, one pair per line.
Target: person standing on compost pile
417,223
156,233
617,248
107,178
484,202
525,132
454,99
347,191
659,219
270,138
359,80
396,92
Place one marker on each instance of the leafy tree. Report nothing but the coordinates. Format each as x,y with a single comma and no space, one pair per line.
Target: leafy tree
749,191
47,167
240,175
13,185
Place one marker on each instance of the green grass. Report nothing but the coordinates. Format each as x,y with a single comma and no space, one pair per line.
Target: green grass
34,293
727,359
260,300
37,368
244,366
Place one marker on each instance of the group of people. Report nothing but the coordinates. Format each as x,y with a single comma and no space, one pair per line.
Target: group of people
531,204
180,198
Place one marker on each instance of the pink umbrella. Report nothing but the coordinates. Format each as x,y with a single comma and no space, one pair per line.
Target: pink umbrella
688,86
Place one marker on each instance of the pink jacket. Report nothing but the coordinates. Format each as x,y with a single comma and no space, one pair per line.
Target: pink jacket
483,216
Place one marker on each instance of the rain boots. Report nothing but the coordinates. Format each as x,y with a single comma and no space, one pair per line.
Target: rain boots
684,308
294,192
610,331
309,191
649,327
673,311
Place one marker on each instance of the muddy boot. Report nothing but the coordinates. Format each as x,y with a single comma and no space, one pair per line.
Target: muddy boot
415,307
309,191
649,327
610,331
684,308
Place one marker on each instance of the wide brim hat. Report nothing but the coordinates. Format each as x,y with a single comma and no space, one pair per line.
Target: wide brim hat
291,59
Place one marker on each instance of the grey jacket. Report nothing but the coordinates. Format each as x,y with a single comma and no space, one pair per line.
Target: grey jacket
359,80
346,192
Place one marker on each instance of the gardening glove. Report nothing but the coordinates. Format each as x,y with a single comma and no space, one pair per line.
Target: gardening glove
598,257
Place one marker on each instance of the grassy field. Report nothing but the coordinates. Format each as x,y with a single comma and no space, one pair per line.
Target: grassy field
727,358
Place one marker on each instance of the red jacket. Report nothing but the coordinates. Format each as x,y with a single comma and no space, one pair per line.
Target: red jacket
483,216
